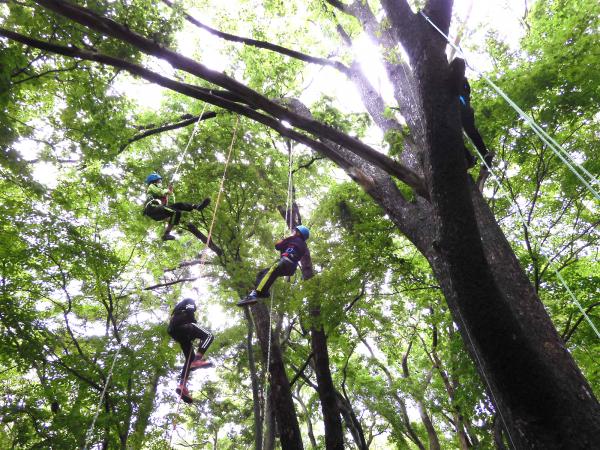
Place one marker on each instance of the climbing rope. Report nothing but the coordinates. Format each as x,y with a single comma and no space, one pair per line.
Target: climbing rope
523,221
185,150
556,148
88,435
206,246
90,430
289,217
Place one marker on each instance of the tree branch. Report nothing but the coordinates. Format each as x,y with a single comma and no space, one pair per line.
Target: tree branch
264,44
168,127
378,159
111,28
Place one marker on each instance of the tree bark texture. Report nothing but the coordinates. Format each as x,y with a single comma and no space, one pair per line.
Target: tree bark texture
258,437
283,404
334,434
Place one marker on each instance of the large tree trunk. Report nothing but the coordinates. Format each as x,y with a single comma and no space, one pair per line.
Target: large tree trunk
334,434
540,394
283,403
258,437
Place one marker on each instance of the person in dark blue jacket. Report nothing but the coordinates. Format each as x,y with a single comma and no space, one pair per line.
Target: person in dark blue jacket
467,115
183,328
292,250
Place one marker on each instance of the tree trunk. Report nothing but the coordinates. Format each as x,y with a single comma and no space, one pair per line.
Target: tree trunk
270,431
255,382
283,403
334,434
352,422
307,414
434,442
521,358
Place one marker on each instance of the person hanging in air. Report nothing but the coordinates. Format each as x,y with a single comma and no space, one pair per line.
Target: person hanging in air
292,250
467,115
183,328
158,208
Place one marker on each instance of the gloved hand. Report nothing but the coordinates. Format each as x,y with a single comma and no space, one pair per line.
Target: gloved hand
203,205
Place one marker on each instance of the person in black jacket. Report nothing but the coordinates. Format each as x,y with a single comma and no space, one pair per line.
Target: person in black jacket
467,115
184,329
292,250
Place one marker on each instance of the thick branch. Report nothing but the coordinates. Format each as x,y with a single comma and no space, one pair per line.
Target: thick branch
111,28
264,44
380,160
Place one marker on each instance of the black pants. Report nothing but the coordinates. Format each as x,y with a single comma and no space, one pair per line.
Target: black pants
171,212
184,335
467,116
266,277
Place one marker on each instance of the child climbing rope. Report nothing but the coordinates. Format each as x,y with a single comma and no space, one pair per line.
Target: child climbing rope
158,208
467,115
184,329
292,250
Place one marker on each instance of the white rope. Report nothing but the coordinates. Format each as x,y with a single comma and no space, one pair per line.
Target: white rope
88,435
496,179
266,386
558,150
551,143
182,156
289,216
204,250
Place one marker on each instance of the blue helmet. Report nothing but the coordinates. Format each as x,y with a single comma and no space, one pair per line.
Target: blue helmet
153,177
303,231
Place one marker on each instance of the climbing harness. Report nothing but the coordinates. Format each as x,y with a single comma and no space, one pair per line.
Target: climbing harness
204,251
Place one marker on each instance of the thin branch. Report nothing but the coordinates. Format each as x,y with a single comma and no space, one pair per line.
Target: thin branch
170,283
264,44
168,127
567,334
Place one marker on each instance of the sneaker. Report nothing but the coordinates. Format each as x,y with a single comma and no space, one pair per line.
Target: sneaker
200,364
249,299
183,392
168,237
204,204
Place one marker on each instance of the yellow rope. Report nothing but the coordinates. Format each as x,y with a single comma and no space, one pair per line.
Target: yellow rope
203,255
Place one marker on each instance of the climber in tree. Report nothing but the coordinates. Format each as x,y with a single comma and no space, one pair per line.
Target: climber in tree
467,115
292,250
184,329
158,208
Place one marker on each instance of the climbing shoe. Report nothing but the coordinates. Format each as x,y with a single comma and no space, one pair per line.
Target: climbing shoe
183,392
249,299
200,364
168,237
204,204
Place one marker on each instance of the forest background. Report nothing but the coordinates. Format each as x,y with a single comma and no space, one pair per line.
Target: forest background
86,281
